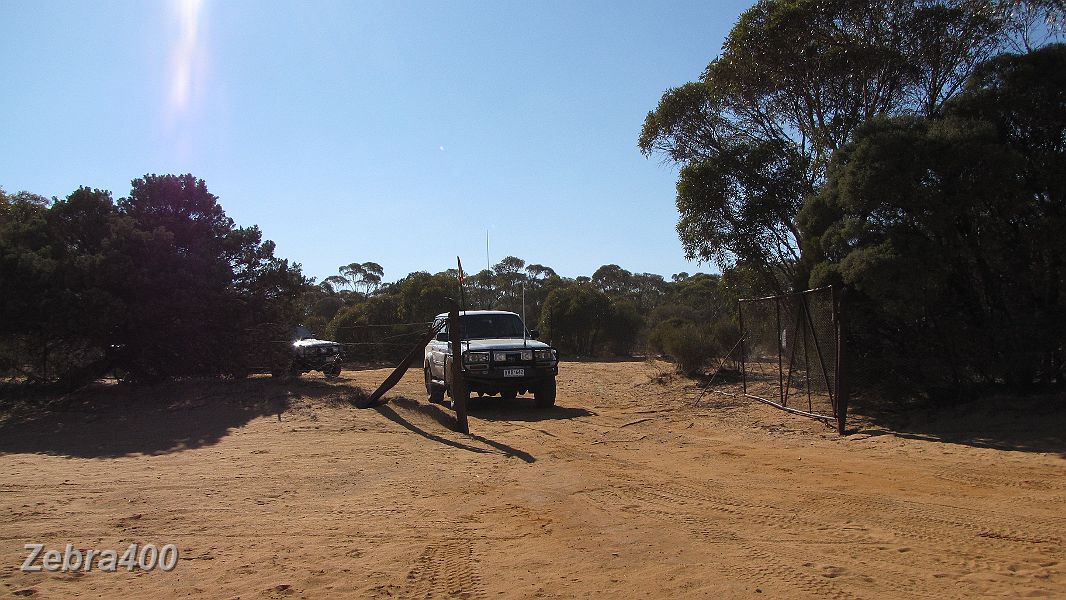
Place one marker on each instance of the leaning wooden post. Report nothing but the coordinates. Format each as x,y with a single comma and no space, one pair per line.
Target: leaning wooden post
457,384
376,399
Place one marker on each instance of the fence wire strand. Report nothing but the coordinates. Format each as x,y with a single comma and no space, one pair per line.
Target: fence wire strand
380,341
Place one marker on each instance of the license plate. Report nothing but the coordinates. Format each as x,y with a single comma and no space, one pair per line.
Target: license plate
514,372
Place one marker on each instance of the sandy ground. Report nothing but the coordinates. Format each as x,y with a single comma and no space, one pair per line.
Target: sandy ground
634,486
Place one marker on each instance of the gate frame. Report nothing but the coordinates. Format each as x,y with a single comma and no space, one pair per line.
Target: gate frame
838,392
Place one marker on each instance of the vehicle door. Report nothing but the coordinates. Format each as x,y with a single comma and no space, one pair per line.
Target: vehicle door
438,349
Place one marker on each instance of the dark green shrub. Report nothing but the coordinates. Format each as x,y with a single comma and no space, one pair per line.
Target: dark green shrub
690,346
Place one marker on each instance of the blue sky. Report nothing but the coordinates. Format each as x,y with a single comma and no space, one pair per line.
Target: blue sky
362,131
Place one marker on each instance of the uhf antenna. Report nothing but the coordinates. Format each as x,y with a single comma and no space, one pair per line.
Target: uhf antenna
462,287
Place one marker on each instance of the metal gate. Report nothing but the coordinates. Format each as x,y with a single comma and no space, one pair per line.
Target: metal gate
792,354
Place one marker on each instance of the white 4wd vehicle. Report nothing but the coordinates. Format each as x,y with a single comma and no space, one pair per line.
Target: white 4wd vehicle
500,356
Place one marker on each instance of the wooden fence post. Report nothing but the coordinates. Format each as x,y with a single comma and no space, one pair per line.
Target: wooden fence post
456,383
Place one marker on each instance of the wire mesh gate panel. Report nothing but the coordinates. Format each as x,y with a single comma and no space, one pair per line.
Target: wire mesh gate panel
791,353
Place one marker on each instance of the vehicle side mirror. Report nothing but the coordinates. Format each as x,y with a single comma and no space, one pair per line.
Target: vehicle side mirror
533,333
442,336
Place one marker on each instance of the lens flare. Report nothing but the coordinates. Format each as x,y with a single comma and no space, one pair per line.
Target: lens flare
188,55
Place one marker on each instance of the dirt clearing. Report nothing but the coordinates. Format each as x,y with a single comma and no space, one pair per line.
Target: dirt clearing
629,488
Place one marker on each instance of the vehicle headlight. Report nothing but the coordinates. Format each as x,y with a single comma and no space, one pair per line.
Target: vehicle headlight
544,354
500,357
527,355
476,357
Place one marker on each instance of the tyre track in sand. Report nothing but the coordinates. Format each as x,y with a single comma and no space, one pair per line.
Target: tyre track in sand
786,542
444,569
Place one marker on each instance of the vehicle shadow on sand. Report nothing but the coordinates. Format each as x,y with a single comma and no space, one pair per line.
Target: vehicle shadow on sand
445,419
521,409
109,421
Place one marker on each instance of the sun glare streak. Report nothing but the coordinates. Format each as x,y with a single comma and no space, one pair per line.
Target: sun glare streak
188,55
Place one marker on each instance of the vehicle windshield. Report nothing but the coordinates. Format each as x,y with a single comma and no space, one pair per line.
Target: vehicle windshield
476,327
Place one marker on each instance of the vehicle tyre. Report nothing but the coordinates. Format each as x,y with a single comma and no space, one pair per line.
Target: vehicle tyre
435,392
331,370
509,394
455,399
544,395
452,388
283,371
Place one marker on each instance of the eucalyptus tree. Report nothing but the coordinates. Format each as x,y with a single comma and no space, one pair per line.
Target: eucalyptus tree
948,232
794,82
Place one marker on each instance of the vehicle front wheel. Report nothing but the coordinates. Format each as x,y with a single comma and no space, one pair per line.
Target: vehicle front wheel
509,394
464,398
544,395
436,393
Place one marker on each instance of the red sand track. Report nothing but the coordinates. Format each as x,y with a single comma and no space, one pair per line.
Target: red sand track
627,490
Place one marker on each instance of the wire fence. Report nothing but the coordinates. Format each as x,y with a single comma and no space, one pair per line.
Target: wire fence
791,353
361,343
373,342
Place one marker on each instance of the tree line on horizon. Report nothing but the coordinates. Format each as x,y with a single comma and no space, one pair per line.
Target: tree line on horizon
162,284
911,153
612,312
